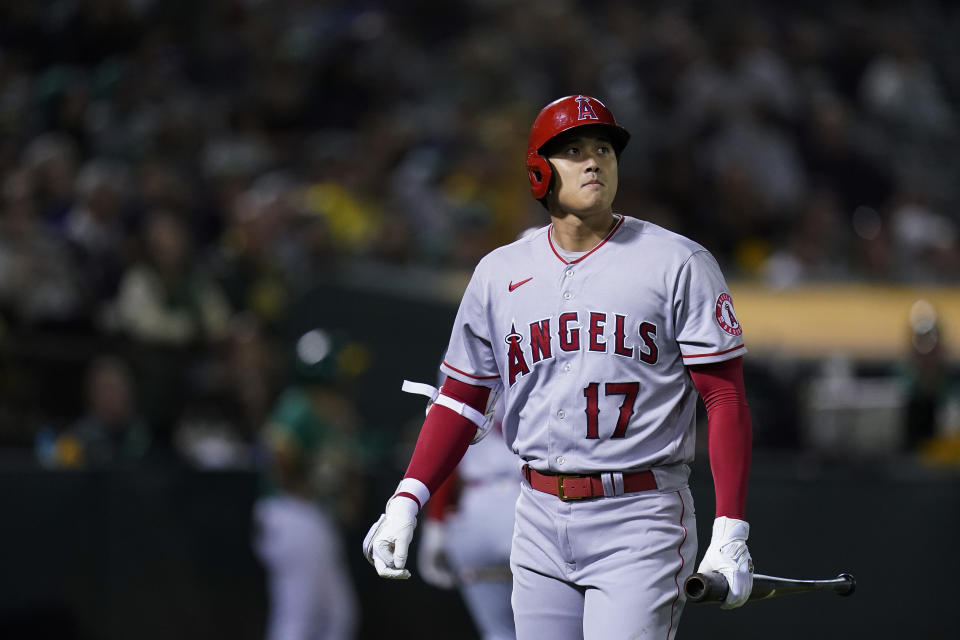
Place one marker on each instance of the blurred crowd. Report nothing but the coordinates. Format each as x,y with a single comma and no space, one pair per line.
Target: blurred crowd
173,175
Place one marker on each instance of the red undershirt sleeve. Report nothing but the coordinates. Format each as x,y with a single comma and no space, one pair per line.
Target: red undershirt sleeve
729,430
445,435
444,498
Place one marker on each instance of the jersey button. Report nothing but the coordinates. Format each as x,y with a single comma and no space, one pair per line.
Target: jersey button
561,414
567,367
561,459
569,272
567,295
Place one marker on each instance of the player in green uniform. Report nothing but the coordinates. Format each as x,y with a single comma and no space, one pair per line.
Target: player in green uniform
307,489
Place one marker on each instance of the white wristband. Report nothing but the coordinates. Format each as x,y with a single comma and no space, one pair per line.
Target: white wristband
415,488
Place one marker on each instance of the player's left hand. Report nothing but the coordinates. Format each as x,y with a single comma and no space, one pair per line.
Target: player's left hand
387,543
728,555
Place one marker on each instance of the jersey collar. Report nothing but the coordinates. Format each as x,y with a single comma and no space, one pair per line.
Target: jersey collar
588,253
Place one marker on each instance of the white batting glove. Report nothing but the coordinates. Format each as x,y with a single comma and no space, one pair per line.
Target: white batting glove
387,543
432,562
728,555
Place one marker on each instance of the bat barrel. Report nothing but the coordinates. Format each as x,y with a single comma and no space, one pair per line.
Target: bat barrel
713,587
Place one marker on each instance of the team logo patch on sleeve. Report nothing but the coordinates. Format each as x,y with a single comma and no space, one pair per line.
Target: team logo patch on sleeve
725,316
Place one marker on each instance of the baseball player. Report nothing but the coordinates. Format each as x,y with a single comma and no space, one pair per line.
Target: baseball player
600,331
310,440
467,531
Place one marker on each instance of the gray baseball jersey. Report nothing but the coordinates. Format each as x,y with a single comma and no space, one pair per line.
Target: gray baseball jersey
590,352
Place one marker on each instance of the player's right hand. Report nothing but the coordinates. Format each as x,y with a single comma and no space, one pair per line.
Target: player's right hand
432,562
387,543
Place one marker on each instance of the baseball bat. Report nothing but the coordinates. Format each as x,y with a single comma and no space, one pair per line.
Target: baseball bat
713,587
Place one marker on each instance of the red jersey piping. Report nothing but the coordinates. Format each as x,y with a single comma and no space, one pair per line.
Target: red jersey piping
469,375
587,254
676,576
715,353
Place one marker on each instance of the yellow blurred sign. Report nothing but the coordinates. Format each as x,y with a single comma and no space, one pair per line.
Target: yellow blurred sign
859,320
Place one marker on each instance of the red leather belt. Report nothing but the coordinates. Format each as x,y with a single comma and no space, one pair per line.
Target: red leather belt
584,487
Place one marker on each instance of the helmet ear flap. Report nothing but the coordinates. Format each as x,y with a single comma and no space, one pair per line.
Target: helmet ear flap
540,173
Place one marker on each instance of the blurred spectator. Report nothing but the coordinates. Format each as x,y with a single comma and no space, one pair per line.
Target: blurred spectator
933,390
874,254
51,160
841,155
252,371
901,87
903,94
751,149
232,396
163,184
111,433
927,242
166,299
743,73
263,256
93,224
94,228
37,280
337,190
174,314
312,488
814,247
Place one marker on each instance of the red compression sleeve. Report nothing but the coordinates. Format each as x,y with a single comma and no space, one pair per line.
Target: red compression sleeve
444,498
445,435
730,432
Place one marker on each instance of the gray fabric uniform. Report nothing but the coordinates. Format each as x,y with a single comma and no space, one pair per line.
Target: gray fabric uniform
590,352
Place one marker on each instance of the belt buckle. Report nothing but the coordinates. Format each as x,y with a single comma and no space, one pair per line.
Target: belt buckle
560,494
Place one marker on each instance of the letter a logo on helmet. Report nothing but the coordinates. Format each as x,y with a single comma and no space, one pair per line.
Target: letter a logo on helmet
586,111
557,117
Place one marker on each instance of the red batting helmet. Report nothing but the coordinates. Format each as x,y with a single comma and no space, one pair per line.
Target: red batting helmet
563,115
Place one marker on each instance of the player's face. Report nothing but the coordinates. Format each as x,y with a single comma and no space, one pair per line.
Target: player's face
585,175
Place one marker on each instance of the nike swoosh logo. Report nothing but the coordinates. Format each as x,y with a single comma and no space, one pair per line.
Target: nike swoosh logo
514,286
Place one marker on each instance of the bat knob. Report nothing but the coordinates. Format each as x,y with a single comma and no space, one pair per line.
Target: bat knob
709,587
694,587
851,584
